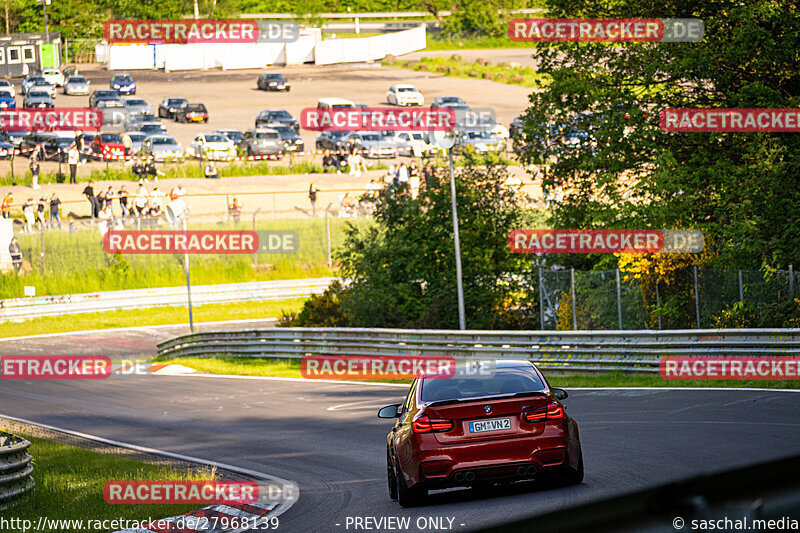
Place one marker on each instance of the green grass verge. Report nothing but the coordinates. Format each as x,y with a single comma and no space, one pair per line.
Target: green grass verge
70,480
291,368
76,262
455,66
148,317
116,171
474,43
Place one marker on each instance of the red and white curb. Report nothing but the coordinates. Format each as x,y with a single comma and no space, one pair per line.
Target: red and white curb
241,513
205,520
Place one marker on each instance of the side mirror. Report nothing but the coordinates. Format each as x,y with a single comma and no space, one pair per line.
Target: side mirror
390,411
560,394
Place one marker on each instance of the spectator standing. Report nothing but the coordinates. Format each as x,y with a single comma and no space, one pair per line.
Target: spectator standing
312,195
36,155
105,219
73,158
110,198
88,192
27,211
127,144
142,200
429,176
414,180
122,194
180,191
40,210
236,211
55,215
5,207
100,197
16,254
402,173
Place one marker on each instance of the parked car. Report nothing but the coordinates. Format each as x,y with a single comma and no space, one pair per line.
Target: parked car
6,85
234,135
481,140
56,146
30,80
6,148
38,98
30,140
16,137
114,113
448,101
163,148
102,94
371,144
108,146
291,140
152,128
261,141
411,143
169,106
192,113
271,81
404,94
137,120
53,76
334,103
213,146
277,115
331,140
123,84
42,85
7,101
76,85
137,140
137,106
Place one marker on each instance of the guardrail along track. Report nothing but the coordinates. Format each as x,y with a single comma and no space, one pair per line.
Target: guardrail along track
15,468
23,308
570,350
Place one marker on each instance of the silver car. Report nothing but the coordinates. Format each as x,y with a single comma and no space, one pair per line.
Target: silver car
76,85
38,98
137,106
6,85
481,140
372,144
137,140
261,141
114,114
163,148
42,85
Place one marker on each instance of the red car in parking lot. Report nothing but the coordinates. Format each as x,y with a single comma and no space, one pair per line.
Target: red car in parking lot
473,430
108,146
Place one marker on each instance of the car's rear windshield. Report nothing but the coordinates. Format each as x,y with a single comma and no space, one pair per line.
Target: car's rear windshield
135,101
406,90
123,78
267,135
280,114
176,101
510,380
371,137
285,131
216,139
111,137
153,127
274,76
164,140
76,79
107,92
198,108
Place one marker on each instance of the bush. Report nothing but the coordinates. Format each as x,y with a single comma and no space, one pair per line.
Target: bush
390,59
455,57
487,76
321,310
517,79
474,74
748,314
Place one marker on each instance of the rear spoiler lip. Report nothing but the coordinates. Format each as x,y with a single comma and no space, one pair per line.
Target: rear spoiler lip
493,397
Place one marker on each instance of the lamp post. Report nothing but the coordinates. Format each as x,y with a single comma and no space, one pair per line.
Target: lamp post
45,3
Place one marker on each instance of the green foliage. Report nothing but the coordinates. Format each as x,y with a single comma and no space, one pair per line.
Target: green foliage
320,310
736,187
747,314
454,66
401,270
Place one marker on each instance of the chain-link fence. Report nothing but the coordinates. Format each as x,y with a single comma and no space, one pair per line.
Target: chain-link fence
690,298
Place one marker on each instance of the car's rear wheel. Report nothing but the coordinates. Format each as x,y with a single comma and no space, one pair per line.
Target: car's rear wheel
575,476
408,497
391,479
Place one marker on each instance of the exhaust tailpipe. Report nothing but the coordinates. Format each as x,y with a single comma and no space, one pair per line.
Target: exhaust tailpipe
532,471
469,476
459,476
522,471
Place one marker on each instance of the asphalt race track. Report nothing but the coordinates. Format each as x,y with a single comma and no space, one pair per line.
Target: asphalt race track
326,438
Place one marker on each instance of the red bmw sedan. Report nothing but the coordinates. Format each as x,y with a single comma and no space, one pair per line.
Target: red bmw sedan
504,424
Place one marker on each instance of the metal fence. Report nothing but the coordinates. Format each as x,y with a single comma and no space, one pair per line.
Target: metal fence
686,298
568,350
15,469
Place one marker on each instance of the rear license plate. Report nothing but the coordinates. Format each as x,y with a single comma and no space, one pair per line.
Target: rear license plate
495,424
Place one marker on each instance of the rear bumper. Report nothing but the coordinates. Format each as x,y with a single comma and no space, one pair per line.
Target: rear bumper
439,466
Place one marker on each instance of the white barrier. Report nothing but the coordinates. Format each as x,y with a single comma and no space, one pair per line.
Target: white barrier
134,57
244,55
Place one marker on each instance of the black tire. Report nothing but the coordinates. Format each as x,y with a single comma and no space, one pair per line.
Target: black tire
575,477
408,497
391,479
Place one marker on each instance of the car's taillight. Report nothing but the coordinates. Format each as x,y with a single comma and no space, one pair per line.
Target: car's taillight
424,424
553,411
